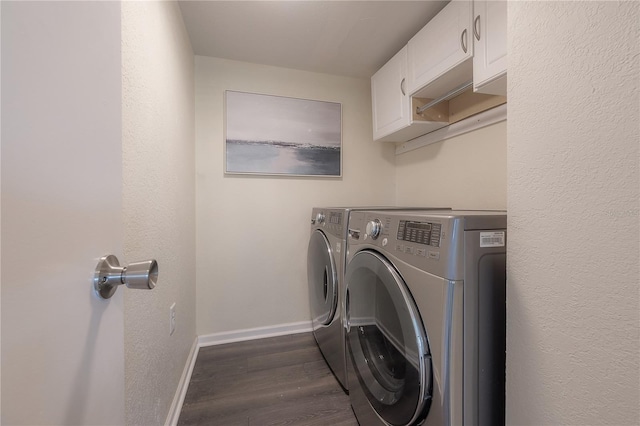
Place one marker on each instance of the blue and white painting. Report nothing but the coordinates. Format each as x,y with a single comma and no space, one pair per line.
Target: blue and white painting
277,135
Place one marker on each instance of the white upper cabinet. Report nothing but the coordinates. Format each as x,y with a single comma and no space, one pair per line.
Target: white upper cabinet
440,55
389,97
393,117
490,39
465,41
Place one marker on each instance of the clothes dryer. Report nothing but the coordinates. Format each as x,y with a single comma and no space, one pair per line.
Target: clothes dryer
326,259
425,317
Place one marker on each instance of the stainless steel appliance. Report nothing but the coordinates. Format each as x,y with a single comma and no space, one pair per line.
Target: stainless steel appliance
425,317
326,260
325,270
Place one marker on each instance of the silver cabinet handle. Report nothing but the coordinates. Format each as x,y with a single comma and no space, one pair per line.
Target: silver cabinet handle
109,275
402,87
476,27
463,40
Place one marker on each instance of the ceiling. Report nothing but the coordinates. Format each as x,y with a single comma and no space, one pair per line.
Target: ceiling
349,38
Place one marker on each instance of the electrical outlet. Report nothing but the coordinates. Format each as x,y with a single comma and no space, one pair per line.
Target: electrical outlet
172,318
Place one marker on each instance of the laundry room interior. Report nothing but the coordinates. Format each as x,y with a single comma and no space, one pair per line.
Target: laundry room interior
563,163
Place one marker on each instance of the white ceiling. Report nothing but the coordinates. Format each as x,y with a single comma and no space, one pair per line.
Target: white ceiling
350,38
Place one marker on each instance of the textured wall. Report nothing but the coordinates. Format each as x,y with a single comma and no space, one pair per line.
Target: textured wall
253,231
158,202
465,172
573,199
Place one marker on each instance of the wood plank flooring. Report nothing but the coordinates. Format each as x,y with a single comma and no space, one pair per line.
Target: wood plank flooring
276,381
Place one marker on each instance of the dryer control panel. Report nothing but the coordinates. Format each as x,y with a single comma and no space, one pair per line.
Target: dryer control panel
430,240
426,233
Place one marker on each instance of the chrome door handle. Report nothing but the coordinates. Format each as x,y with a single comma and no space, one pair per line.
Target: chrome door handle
463,39
476,27
402,87
109,275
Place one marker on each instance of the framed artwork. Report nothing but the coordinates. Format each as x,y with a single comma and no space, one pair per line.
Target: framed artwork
277,135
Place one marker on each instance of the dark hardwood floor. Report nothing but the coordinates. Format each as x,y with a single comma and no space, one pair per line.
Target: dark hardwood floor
276,381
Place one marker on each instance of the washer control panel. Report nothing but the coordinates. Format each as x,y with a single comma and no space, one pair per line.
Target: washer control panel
331,221
425,233
335,218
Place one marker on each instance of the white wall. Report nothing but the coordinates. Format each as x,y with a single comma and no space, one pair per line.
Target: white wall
465,172
0,220
573,200
252,232
62,346
158,202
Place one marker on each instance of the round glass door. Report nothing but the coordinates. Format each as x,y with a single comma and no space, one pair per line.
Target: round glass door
323,280
386,341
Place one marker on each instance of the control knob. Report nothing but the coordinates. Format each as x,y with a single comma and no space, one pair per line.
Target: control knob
319,218
373,228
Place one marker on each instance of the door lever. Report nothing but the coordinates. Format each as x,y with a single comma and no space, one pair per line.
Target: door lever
109,275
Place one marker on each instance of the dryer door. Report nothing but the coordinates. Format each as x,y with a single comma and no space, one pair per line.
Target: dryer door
387,343
323,280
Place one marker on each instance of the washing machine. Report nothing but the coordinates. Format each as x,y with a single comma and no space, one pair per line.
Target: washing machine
325,269
326,259
425,317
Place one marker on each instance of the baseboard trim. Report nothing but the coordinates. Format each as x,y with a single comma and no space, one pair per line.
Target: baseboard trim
254,333
183,385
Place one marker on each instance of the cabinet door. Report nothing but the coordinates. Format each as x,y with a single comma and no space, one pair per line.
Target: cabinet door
443,45
389,96
490,39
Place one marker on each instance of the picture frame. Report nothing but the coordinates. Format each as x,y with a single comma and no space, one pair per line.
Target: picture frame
282,136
